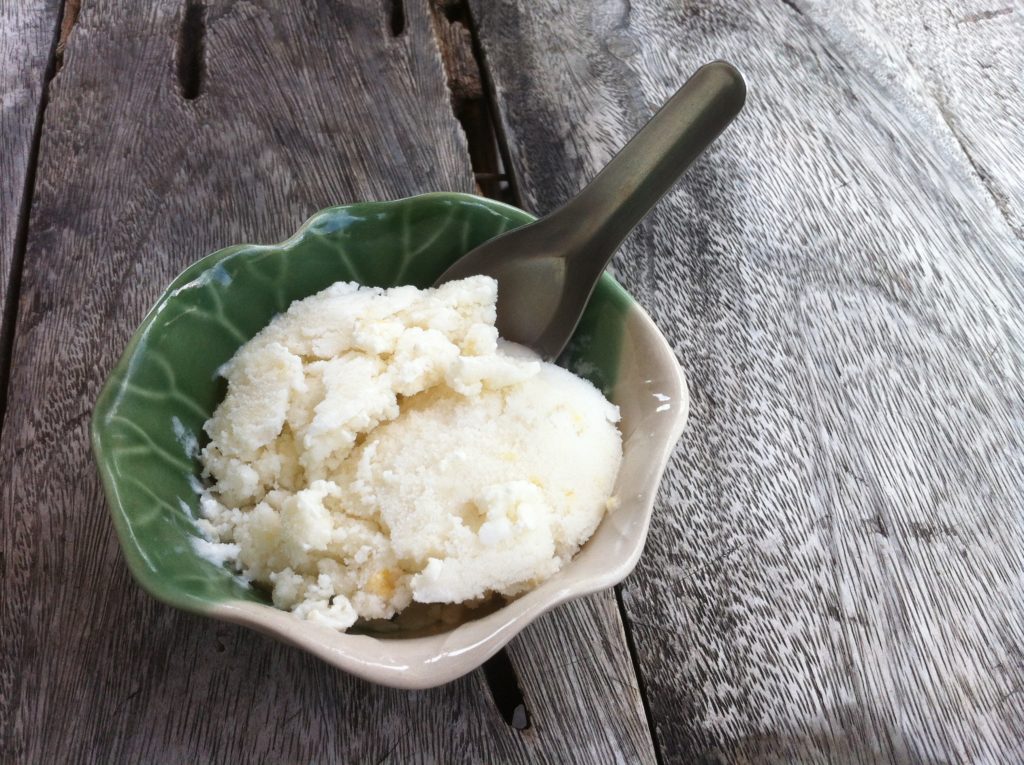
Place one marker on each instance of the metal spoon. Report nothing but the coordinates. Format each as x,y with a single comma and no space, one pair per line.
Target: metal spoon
547,270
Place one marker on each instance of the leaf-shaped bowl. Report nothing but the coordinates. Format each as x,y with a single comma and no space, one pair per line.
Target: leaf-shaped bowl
147,425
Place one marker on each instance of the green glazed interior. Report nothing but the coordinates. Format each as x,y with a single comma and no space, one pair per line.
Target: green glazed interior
147,425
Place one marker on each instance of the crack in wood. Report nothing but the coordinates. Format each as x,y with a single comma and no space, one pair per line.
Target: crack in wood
998,198
191,52
9,320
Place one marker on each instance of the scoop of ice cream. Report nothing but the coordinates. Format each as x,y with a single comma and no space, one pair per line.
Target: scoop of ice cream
377,447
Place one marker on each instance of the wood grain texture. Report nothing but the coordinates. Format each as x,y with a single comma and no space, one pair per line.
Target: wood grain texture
968,57
835,565
298,107
27,33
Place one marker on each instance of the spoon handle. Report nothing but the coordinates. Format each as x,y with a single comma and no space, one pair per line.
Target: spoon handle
606,210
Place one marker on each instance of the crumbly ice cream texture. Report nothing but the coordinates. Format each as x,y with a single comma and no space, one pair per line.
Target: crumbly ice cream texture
379,447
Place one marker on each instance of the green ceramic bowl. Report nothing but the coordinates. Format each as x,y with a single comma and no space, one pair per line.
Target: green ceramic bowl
147,425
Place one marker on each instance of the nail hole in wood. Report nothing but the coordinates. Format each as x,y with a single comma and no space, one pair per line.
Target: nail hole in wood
396,16
508,696
192,50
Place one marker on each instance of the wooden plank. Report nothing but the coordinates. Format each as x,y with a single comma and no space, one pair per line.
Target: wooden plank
27,36
292,110
834,567
969,57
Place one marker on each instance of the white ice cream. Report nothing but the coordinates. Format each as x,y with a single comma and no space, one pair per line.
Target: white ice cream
378,447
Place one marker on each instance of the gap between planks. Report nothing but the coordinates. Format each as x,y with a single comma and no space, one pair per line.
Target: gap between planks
9,320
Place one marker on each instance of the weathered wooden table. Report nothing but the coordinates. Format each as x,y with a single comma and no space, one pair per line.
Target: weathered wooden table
836,563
